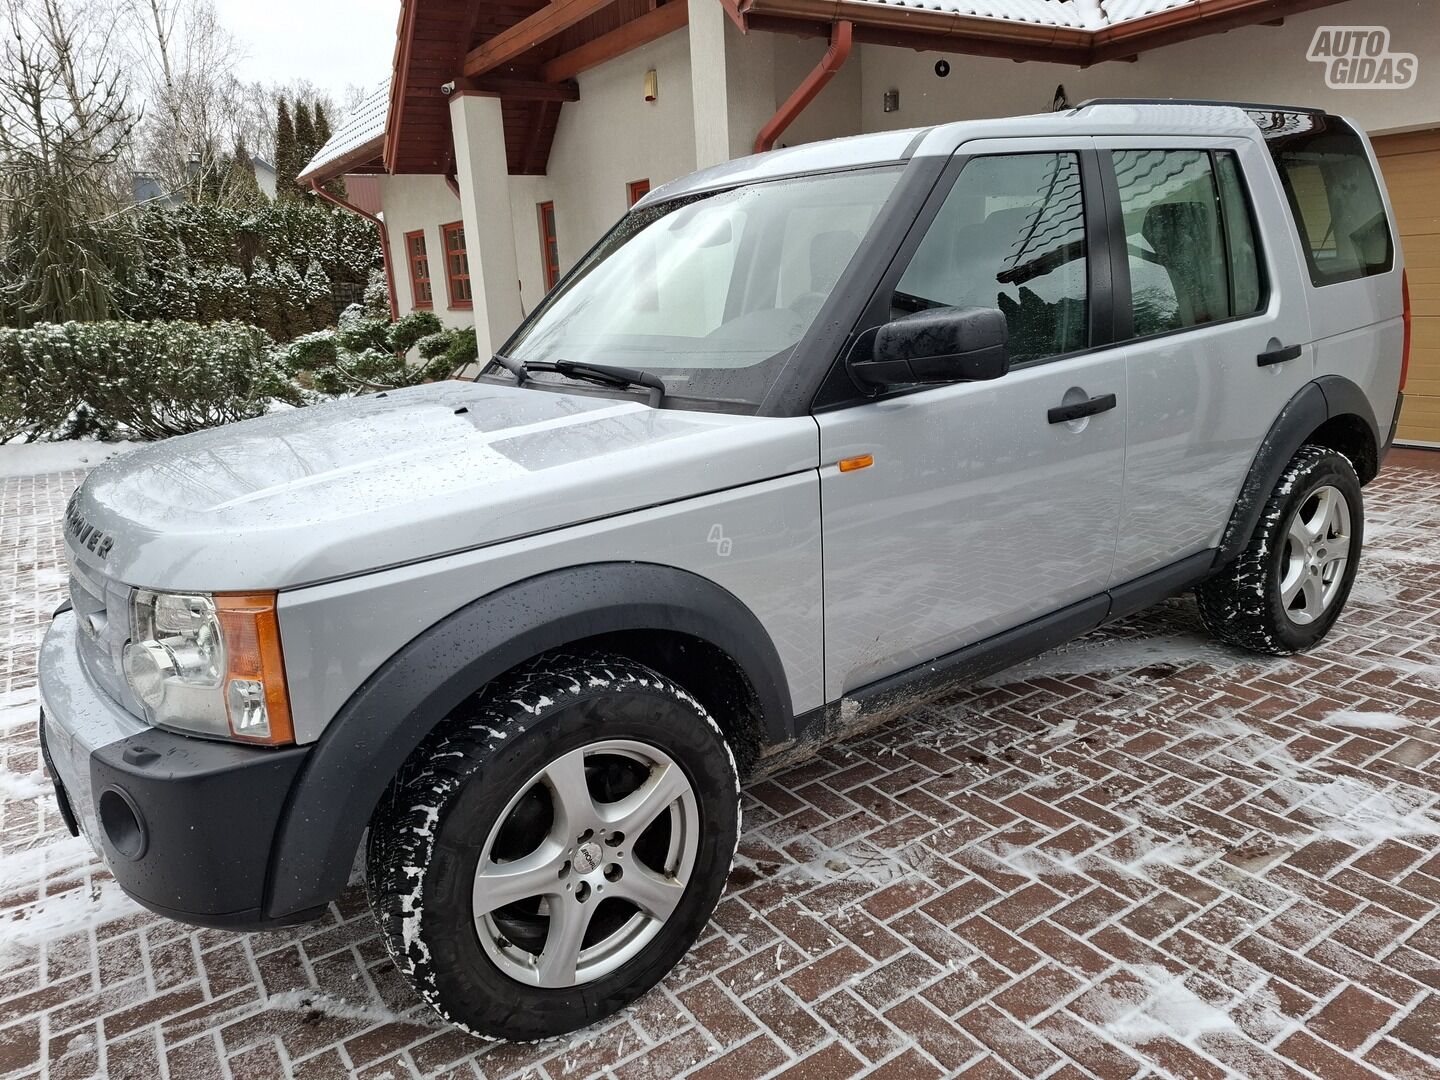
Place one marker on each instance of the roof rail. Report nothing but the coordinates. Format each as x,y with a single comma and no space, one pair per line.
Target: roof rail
1247,105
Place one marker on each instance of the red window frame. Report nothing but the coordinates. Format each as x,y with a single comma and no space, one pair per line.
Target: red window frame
549,244
637,190
457,265
422,293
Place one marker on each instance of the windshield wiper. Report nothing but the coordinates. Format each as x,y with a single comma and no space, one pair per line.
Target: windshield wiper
604,374
515,367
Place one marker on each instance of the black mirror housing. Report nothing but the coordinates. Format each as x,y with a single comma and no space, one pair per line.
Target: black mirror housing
941,345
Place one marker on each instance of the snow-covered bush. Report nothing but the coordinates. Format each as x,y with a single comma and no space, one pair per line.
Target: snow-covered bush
409,329
366,353
137,380
278,265
377,293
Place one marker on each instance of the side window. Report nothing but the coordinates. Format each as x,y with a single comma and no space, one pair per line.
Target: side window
1334,198
1011,234
1189,237
420,292
1247,282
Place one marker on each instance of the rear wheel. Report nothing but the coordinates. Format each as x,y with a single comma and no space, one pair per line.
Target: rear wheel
1289,585
556,848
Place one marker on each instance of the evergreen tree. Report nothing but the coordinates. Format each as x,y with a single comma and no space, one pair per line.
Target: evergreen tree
335,187
322,125
242,187
286,166
305,144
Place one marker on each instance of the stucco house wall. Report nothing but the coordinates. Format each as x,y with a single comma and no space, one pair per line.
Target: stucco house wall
1256,63
420,202
607,139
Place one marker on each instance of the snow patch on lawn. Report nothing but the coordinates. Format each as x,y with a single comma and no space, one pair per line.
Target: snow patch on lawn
35,459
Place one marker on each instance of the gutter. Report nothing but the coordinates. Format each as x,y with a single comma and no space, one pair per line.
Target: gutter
842,39
951,31
384,241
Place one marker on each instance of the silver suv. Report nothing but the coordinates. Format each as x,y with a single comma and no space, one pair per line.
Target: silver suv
803,440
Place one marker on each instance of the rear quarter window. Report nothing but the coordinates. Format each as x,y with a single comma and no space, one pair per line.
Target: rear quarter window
1334,197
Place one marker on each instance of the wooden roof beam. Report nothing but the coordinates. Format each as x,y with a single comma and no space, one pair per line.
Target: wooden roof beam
653,25
519,39
518,89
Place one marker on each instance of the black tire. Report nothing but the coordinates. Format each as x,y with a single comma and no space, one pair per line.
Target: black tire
1243,604
426,838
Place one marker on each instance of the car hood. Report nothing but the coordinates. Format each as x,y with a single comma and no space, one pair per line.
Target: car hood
336,489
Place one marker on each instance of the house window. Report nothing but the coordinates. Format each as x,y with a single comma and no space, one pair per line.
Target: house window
419,261
549,246
457,264
637,190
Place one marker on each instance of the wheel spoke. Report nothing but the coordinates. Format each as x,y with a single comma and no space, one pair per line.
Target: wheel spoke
1298,533
653,894
1319,521
633,814
1314,595
1336,549
574,808
569,919
536,874
1294,579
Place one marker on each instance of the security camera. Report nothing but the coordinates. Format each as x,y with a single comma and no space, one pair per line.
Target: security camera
448,88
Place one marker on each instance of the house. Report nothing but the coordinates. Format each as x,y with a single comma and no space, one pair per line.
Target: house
149,188
513,135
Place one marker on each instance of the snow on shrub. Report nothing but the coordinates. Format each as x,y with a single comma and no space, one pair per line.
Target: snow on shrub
367,353
277,266
137,380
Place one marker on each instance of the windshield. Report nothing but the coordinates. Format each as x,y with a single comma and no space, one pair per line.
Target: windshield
710,293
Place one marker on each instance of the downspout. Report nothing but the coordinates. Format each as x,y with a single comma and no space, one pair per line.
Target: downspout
384,242
841,39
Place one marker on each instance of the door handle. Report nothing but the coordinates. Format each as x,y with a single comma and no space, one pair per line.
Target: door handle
1062,414
1278,356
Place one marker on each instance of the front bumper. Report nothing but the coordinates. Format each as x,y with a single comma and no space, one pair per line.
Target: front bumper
185,825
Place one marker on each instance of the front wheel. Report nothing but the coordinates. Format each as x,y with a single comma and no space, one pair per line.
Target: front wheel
556,848
1287,588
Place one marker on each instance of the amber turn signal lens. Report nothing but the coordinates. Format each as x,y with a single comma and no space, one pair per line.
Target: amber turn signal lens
863,461
256,697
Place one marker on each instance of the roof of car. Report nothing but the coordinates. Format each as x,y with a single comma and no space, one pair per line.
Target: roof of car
1114,117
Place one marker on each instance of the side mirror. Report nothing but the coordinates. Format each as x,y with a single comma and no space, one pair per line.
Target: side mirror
940,345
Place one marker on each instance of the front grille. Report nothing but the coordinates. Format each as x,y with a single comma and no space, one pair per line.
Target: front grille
101,613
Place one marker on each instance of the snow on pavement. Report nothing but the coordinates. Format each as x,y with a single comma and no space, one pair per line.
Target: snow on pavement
1143,852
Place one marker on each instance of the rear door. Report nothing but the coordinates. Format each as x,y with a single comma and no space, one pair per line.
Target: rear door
978,512
1211,300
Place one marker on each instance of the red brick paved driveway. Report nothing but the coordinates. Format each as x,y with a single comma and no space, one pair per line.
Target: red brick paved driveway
1142,855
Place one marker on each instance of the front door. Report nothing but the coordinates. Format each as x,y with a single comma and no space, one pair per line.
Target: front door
1213,309
984,507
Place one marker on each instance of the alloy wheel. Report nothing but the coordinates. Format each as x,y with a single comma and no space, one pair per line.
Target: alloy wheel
586,864
1317,548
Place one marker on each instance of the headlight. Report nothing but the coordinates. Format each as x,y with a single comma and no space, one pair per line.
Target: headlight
209,664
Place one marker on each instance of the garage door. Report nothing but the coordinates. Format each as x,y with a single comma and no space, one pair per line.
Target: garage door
1411,164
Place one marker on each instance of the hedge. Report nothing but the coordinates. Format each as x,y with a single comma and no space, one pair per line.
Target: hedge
280,266
134,380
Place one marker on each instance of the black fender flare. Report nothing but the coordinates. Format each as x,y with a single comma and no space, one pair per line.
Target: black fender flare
346,772
1316,402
